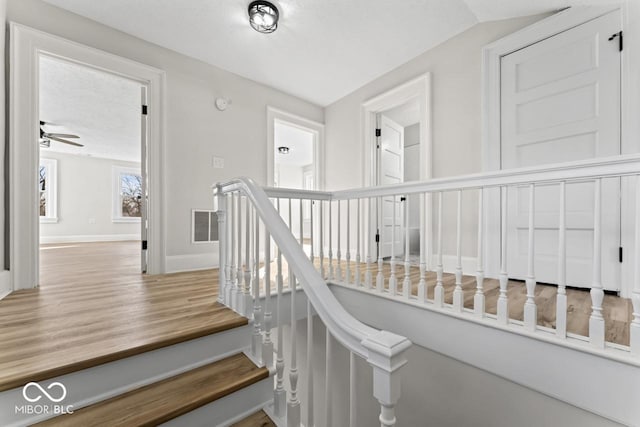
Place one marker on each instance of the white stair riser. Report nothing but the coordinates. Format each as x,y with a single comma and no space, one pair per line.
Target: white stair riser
102,382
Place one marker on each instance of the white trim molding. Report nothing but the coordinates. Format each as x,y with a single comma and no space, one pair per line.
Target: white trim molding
88,238
27,45
193,262
316,128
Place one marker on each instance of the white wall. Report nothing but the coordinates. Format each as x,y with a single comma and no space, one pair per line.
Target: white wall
455,68
85,201
195,129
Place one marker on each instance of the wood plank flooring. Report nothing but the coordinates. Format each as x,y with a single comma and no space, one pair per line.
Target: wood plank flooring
259,419
93,306
162,401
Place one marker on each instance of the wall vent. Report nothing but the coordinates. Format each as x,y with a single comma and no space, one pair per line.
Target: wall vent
204,226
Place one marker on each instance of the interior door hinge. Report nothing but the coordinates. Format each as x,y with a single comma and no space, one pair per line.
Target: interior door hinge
378,132
620,253
144,110
620,39
377,237
144,245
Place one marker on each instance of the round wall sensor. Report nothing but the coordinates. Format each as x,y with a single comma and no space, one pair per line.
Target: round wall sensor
221,104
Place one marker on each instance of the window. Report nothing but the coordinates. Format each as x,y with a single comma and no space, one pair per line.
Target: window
127,195
48,190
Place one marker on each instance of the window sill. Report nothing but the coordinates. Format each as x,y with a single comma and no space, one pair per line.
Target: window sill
126,220
48,220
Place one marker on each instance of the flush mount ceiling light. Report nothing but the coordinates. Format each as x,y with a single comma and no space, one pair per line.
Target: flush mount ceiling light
263,16
283,150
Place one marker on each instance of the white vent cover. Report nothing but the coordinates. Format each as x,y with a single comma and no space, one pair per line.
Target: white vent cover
204,226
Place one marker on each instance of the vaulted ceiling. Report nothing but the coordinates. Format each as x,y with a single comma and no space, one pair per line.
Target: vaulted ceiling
322,50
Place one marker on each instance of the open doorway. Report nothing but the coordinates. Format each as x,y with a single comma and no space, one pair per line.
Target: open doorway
91,172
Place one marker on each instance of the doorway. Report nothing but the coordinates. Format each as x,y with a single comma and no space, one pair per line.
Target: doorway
92,182
28,46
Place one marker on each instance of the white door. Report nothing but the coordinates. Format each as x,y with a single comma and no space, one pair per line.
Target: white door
560,101
143,172
391,171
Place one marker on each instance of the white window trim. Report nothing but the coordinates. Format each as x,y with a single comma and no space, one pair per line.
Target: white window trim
51,166
116,215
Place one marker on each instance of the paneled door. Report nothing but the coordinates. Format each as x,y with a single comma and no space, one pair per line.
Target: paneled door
391,171
560,102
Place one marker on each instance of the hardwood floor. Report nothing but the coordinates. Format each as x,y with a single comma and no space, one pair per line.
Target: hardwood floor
162,401
259,419
93,306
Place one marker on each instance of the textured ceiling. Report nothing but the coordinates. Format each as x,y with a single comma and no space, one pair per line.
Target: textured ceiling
322,50
103,109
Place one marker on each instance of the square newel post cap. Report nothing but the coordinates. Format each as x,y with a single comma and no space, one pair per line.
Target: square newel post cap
386,356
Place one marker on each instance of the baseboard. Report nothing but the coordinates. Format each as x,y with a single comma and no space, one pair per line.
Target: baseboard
5,283
178,263
85,238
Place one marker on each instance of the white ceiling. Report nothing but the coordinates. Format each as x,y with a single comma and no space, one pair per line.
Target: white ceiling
101,108
299,141
322,50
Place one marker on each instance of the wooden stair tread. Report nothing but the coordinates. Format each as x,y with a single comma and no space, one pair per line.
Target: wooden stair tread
162,401
259,419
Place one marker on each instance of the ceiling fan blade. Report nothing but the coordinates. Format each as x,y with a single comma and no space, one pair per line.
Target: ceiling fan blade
61,135
65,141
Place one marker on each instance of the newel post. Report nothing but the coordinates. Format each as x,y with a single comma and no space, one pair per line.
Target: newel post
386,357
220,208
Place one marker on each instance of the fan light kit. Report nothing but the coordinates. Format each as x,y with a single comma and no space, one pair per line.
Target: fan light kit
283,150
263,16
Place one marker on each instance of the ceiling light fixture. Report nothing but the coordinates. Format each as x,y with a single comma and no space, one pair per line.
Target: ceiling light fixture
283,150
263,16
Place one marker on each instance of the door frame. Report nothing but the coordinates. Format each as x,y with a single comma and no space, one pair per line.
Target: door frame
26,46
418,88
630,132
316,128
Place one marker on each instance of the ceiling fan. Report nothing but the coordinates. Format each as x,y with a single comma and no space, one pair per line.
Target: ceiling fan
47,137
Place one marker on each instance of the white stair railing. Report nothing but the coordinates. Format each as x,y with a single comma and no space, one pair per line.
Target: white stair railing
384,351
449,291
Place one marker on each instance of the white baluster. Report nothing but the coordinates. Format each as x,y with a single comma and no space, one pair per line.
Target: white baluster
229,250
321,238
222,253
247,300
503,301
293,406
239,299
256,342
635,296
310,417
478,298
596,321
530,309
338,253
279,394
233,289
422,284
458,296
406,283
357,267
348,269
368,276
379,276
561,301
328,404
311,254
438,297
352,390
393,281
301,226
331,277
267,344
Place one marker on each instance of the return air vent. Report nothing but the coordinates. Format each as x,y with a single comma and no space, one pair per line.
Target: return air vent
204,226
